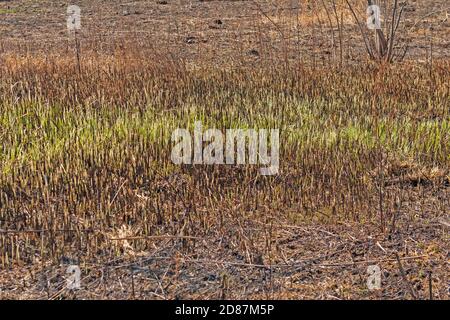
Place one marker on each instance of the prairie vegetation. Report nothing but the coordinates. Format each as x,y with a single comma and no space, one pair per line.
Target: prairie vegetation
86,176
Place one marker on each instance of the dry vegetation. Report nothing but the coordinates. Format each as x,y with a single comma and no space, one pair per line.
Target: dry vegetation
86,176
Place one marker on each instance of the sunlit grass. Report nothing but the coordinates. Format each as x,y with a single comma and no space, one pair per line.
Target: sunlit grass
94,144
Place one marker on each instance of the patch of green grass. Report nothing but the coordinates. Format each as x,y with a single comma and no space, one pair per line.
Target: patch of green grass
8,11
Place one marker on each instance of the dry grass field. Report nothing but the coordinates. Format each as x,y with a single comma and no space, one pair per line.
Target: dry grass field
86,176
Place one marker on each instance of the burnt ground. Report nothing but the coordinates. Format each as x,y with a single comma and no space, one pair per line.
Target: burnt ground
253,260
310,260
